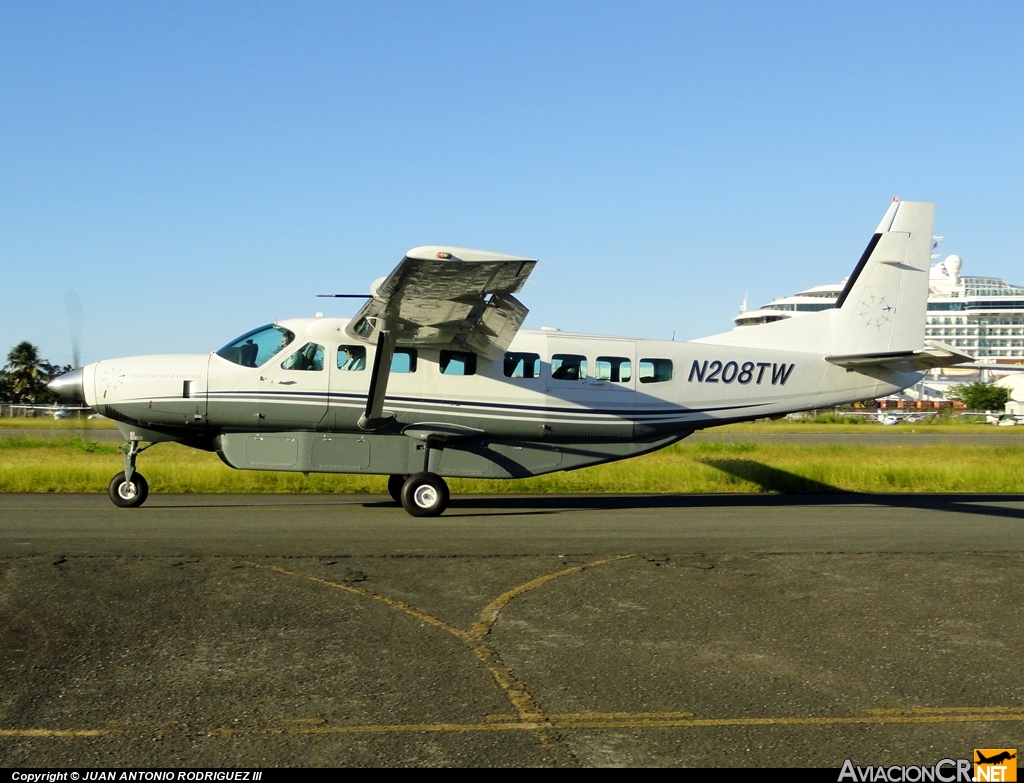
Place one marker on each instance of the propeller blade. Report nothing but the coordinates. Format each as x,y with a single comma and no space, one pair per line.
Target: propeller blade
74,309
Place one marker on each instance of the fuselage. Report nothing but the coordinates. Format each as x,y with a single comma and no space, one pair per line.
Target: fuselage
615,388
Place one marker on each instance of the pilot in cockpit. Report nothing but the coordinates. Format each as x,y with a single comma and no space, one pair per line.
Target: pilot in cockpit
351,357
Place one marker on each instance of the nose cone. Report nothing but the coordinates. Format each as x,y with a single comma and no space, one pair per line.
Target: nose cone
70,386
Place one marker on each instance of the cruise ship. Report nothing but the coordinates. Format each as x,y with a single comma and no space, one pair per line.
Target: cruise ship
982,316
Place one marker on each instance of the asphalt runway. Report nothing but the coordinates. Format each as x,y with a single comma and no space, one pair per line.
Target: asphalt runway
515,630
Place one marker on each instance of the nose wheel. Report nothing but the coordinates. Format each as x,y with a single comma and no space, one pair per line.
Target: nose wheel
128,494
129,488
425,495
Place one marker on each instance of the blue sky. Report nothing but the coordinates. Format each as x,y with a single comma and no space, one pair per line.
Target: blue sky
193,170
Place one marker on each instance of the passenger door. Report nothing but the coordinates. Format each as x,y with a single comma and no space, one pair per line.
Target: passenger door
595,395
291,391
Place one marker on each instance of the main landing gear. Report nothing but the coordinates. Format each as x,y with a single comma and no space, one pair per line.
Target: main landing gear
395,487
423,494
129,489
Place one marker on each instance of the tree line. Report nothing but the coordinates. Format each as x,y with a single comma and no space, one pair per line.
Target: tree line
23,379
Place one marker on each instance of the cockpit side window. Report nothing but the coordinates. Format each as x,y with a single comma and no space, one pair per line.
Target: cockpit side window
257,347
309,357
351,358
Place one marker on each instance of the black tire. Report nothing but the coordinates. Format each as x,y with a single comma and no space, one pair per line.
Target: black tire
128,495
425,495
395,484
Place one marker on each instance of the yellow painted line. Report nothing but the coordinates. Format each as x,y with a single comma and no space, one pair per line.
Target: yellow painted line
941,710
615,715
634,722
490,613
791,721
523,703
649,723
526,707
392,602
514,690
58,733
587,721
388,729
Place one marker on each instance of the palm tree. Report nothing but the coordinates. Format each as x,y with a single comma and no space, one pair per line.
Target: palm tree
26,371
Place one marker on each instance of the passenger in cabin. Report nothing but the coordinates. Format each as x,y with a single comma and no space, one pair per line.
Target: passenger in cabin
247,353
566,372
309,358
351,358
568,367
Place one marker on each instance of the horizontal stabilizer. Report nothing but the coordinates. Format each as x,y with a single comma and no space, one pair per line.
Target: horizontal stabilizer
935,354
992,367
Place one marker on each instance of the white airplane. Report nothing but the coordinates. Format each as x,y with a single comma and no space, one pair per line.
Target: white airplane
890,418
1002,419
434,377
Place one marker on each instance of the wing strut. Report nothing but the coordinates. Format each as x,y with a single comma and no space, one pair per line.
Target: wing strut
374,418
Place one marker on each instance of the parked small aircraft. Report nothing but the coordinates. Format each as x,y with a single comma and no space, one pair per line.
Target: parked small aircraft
1002,419
434,377
890,418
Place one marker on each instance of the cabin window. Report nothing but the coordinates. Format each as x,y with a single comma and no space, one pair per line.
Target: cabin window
568,367
655,370
257,347
522,365
457,363
404,360
351,358
613,368
309,357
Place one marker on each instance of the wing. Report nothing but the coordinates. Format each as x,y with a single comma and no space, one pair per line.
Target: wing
440,297
936,354
448,297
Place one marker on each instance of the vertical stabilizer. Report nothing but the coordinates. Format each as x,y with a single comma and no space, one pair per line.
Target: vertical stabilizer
883,306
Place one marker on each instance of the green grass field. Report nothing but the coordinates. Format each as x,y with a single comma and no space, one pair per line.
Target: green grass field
77,464
48,423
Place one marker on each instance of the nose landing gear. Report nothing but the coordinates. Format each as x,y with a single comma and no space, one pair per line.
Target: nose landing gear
129,489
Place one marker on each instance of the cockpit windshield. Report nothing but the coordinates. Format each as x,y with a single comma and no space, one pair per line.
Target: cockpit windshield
258,346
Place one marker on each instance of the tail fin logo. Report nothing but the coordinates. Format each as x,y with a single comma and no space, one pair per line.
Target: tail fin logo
875,310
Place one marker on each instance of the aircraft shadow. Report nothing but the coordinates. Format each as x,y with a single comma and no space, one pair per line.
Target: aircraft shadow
792,490
770,479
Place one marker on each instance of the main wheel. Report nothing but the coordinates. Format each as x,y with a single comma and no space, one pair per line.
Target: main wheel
425,495
395,484
128,494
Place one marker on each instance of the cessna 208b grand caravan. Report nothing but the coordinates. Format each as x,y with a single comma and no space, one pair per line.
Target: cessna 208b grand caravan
434,377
